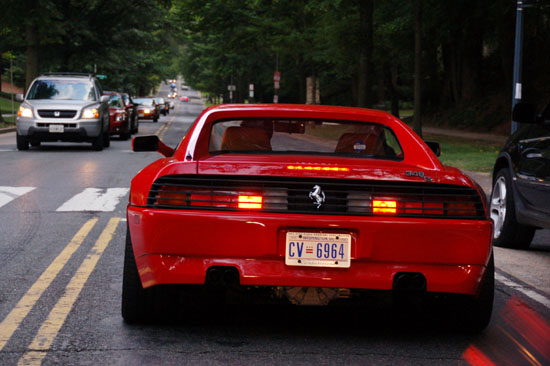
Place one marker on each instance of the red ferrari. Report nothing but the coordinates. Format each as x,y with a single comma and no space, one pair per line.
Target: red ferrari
312,204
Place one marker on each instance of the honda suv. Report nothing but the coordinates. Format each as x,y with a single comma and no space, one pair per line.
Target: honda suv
63,107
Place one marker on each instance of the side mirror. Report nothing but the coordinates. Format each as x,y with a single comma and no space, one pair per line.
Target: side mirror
19,97
151,143
434,146
104,98
525,113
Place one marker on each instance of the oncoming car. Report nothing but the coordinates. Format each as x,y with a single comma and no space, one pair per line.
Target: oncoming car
147,108
312,204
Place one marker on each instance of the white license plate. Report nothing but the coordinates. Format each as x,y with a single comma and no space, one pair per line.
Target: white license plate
318,249
140,114
56,128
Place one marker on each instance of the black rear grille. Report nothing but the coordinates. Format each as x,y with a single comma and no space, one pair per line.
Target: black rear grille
292,195
56,113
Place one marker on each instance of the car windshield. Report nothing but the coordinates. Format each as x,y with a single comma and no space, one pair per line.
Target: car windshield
342,138
144,101
62,90
115,101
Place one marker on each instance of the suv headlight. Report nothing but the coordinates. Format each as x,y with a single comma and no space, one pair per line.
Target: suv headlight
24,112
90,113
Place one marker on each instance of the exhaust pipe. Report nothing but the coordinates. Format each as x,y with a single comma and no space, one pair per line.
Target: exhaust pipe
409,282
222,276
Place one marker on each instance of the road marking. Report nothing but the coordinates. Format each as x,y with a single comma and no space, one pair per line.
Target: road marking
10,324
161,131
8,194
95,199
41,343
524,290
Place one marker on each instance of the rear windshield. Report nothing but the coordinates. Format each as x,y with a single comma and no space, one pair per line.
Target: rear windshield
115,101
342,138
62,90
143,101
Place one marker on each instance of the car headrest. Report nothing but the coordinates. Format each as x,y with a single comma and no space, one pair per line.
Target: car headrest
245,139
360,143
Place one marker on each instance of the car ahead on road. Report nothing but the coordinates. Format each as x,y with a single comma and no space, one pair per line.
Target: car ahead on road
520,200
131,109
184,98
311,204
163,105
147,108
63,107
120,119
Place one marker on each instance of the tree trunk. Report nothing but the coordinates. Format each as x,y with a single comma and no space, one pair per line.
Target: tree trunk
32,54
364,79
417,68
394,73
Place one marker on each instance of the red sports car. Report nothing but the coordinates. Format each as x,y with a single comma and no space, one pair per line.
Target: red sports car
309,203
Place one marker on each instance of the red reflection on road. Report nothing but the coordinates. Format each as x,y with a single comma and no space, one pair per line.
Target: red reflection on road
475,357
534,329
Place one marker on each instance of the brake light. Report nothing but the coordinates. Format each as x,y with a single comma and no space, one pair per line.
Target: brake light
318,168
254,202
384,207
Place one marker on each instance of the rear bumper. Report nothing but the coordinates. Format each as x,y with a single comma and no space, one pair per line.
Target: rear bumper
178,247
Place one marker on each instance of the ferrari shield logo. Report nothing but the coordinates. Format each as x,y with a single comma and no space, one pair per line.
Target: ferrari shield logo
317,196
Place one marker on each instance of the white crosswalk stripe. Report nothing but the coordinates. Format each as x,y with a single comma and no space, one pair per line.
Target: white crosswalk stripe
95,199
8,194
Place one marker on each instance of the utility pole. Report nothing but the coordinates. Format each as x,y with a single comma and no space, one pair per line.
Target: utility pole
518,55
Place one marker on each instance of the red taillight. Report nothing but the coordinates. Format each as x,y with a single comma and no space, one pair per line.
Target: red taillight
460,209
254,202
384,207
170,196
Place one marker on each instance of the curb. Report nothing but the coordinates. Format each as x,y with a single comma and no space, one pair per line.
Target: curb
7,129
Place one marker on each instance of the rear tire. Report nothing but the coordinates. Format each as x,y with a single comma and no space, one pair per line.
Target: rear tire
125,136
106,139
475,312
35,143
22,142
508,233
156,119
137,302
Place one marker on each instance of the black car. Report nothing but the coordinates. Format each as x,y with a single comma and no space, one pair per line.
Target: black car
520,200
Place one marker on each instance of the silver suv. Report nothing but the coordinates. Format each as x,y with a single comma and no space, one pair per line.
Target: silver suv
63,107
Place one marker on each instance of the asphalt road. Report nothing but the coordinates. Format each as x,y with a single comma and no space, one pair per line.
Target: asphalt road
61,276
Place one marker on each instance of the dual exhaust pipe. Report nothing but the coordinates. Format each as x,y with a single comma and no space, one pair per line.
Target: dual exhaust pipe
222,276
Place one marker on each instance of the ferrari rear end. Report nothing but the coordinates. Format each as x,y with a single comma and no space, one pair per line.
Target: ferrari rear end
314,204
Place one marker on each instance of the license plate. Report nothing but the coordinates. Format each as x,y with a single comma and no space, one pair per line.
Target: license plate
56,128
318,249
140,114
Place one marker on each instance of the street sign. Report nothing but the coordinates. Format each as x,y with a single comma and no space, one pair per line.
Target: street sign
101,77
276,76
231,88
251,87
276,85
275,99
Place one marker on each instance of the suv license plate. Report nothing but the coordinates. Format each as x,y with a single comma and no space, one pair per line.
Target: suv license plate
56,128
318,249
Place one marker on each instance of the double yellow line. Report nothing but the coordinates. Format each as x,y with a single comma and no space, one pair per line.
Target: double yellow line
40,345
161,131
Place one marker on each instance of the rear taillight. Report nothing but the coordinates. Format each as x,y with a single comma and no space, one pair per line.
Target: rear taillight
460,209
171,196
250,202
384,207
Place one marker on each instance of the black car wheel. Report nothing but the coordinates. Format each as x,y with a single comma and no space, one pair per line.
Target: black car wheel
22,142
106,139
156,119
507,233
35,143
97,144
475,312
137,302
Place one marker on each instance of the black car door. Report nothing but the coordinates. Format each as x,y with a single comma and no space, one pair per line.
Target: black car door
533,169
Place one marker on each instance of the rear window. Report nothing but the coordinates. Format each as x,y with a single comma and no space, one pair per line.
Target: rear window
143,101
342,138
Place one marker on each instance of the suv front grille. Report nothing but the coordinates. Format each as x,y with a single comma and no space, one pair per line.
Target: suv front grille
292,195
56,113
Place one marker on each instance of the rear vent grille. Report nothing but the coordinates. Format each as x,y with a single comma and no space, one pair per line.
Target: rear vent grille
56,113
341,197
